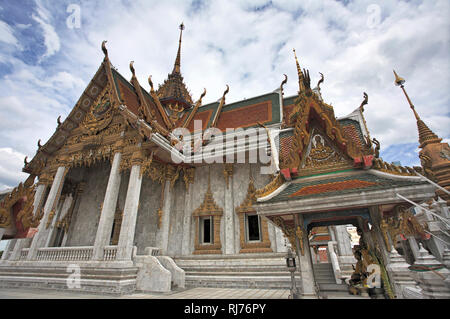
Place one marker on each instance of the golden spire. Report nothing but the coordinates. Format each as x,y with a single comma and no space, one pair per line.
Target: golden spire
176,67
301,86
426,136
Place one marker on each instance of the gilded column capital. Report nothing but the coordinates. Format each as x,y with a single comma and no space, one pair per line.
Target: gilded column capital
172,173
118,146
62,161
137,157
45,178
227,171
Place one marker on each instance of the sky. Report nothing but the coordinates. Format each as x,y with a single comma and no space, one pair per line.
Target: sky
50,50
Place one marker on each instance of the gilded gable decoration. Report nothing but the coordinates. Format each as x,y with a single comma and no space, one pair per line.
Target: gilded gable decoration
100,114
321,156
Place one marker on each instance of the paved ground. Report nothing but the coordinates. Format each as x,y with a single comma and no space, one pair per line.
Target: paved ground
194,293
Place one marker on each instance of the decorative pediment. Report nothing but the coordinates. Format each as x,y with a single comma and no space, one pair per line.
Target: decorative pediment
208,207
322,156
247,205
100,115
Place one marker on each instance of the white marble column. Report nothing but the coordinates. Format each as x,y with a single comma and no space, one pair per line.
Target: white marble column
40,192
51,228
41,235
305,262
63,211
21,243
128,227
228,216
163,234
103,236
9,247
188,221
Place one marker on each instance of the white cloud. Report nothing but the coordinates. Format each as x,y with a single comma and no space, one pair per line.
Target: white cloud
51,38
10,168
231,43
7,34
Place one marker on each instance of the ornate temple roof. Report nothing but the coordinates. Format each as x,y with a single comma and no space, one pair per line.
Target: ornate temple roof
173,89
334,184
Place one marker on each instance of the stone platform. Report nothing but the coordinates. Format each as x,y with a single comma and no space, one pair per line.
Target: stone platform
262,271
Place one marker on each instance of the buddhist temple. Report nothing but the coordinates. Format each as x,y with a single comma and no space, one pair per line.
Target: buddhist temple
146,188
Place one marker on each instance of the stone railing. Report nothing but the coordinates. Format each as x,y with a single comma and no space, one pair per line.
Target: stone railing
152,251
334,261
65,253
109,253
24,253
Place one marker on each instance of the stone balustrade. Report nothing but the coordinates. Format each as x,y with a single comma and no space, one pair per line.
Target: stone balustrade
65,253
24,254
109,253
80,253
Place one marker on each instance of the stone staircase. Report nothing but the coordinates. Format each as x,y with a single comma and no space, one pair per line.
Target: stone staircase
329,289
265,271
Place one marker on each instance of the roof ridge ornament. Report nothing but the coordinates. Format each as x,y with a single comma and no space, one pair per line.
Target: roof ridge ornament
322,78
132,68
426,135
304,81
177,65
364,102
105,51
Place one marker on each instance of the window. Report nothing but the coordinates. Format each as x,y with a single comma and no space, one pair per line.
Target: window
253,227
206,230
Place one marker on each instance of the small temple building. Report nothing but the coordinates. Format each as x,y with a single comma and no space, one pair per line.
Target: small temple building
149,190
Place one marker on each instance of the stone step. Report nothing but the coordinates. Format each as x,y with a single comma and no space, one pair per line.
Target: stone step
341,295
236,271
241,273
238,281
116,281
324,274
332,287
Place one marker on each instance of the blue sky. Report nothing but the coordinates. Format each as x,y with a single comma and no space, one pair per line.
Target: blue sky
45,64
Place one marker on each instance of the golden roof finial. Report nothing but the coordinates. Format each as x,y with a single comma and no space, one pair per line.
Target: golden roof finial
300,73
398,80
177,66
426,136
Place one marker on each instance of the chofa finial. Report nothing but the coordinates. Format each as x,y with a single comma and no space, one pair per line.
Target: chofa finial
320,81
225,92
150,82
105,51
284,81
132,68
364,102
203,94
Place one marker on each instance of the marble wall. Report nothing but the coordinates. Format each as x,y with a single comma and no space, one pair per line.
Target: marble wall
180,233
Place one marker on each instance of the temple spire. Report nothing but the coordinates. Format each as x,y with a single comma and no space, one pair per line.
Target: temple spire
301,86
426,135
176,67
